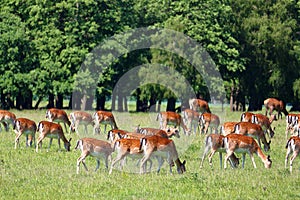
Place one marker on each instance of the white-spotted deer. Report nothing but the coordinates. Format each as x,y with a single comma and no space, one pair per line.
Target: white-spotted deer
227,128
169,132
163,147
191,119
51,130
293,147
59,116
7,118
171,118
272,104
95,148
27,127
103,117
292,123
80,118
265,123
244,144
207,120
247,116
213,144
252,130
127,147
199,105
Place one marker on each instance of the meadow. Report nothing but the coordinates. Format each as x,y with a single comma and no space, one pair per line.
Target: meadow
25,174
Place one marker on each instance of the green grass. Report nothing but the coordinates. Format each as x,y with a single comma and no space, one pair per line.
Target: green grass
25,174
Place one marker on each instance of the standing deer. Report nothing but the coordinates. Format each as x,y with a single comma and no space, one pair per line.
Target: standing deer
103,117
7,118
244,144
199,105
95,148
57,115
51,130
27,127
272,104
80,117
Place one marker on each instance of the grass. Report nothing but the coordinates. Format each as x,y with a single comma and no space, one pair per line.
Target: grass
25,174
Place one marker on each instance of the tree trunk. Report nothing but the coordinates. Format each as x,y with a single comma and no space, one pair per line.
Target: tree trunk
152,106
139,103
59,101
231,98
36,106
113,102
100,103
171,104
50,101
125,104
120,103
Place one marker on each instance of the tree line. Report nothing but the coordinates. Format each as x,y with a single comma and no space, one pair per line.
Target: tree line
44,46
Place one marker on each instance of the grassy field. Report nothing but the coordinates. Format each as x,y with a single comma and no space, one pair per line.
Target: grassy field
25,174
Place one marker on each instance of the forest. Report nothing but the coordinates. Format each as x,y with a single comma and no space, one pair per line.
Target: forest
45,47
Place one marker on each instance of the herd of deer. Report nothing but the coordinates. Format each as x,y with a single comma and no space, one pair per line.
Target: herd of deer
155,143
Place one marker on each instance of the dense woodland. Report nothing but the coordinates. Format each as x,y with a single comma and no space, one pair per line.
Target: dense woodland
255,45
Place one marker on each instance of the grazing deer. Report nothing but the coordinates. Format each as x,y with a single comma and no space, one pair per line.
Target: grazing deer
292,146
244,144
252,130
247,116
80,117
207,120
264,122
199,104
127,147
227,128
57,115
169,132
191,119
95,148
51,130
275,104
214,143
7,118
103,117
116,134
27,127
157,145
171,118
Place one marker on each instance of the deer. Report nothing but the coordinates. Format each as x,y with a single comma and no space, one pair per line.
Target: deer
80,117
272,104
27,127
51,130
171,118
213,144
58,115
169,132
265,122
7,118
292,121
115,134
207,120
103,117
163,147
227,128
252,130
247,116
199,104
293,147
94,148
191,118
128,147
244,144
